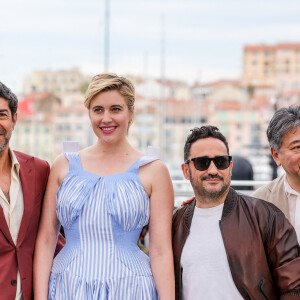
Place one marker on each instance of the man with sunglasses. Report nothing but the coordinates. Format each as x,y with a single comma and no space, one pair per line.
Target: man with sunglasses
228,245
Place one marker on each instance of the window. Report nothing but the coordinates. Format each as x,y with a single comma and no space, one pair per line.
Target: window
170,120
283,52
66,127
186,120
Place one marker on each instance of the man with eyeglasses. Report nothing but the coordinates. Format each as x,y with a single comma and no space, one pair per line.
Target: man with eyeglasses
228,245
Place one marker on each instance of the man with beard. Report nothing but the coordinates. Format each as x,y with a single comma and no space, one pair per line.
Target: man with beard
228,245
23,180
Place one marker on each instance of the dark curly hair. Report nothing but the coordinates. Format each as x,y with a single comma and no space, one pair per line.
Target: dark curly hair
9,96
202,133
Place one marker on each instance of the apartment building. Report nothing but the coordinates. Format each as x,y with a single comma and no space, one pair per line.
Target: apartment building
47,119
60,81
276,66
34,130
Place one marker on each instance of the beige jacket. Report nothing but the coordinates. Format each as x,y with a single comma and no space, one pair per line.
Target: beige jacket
274,192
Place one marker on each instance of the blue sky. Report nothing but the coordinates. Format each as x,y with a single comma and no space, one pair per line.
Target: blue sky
204,39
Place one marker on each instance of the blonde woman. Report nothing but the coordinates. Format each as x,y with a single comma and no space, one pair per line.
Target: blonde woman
103,195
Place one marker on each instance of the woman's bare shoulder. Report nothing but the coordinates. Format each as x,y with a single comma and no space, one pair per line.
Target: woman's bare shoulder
60,168
156,166
59,161
155,172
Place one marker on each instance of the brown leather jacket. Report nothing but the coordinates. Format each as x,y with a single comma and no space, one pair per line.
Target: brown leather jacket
261,246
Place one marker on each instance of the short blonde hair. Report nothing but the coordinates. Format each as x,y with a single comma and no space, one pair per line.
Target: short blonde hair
110,82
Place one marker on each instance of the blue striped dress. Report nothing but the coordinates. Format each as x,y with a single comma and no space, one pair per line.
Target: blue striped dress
102,217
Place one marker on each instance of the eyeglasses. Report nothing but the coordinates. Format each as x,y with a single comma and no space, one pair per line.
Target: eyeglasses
202,163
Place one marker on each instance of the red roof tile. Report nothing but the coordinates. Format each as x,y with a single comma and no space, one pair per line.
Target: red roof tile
25,107
279,46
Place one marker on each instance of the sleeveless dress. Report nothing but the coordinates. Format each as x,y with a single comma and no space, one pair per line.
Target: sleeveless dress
102,218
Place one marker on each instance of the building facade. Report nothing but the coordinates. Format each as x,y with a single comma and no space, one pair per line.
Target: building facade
58,82
276,66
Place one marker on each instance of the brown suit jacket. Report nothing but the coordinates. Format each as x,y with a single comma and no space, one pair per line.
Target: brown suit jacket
33,175
274,192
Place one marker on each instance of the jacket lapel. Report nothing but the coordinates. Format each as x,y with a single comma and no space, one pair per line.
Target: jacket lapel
188,215
27,177
4,227
278,196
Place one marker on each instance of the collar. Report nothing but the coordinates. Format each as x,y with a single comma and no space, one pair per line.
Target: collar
15,163
230,202
289,190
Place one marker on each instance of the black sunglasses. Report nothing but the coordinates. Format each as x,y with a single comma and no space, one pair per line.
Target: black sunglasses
202,163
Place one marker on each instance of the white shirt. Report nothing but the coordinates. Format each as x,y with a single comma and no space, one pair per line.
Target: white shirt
205,269
13,210
294,207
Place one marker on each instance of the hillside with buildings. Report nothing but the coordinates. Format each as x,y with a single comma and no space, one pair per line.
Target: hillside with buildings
51,108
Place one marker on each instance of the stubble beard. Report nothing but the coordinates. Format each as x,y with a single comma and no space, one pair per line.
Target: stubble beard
5,141
208,196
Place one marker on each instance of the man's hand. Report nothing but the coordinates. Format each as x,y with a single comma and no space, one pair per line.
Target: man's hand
187,201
